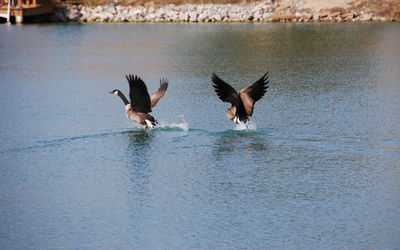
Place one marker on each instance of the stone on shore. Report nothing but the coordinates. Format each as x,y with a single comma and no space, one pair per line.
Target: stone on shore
266,11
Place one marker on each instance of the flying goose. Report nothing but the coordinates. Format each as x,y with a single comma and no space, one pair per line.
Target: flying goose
141,102
242,103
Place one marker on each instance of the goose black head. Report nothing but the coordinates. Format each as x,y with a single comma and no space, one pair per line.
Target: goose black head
115,92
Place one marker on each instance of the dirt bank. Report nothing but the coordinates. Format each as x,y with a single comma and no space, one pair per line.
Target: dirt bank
388,9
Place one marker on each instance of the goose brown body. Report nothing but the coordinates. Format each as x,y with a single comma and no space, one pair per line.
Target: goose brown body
242,102
141,103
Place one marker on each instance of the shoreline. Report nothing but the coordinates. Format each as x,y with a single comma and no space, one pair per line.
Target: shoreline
266,11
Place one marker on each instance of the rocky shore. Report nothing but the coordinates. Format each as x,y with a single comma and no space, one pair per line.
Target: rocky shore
266,11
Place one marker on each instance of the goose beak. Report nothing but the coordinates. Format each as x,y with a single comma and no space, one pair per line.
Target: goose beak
110,92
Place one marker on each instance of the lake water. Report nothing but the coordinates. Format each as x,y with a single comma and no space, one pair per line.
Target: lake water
321,169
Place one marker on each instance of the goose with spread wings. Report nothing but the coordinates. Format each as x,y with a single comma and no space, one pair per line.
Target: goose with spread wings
242,102
141,102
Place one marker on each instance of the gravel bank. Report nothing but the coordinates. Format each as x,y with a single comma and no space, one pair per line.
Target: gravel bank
266,11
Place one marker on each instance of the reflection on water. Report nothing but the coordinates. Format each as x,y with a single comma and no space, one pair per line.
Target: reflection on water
139,137
238,142
320,169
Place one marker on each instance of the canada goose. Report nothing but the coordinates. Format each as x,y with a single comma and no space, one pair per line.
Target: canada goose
242,103
141,102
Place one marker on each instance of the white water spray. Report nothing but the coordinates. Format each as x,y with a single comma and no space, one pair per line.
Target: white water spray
172,125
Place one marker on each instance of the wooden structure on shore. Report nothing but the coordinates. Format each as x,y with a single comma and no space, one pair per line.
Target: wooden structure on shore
19,9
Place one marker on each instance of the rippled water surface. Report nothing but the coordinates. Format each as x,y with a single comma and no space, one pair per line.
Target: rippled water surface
320,171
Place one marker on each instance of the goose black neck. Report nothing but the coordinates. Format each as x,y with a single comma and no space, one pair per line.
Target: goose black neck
123,97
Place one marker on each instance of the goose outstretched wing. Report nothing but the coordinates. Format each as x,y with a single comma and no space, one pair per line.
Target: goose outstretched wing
225,91
140,99
156,96
253,93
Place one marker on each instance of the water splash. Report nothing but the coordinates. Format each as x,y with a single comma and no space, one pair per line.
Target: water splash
249,125
183,125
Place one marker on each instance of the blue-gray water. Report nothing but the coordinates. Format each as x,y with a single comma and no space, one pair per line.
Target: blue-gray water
321,170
